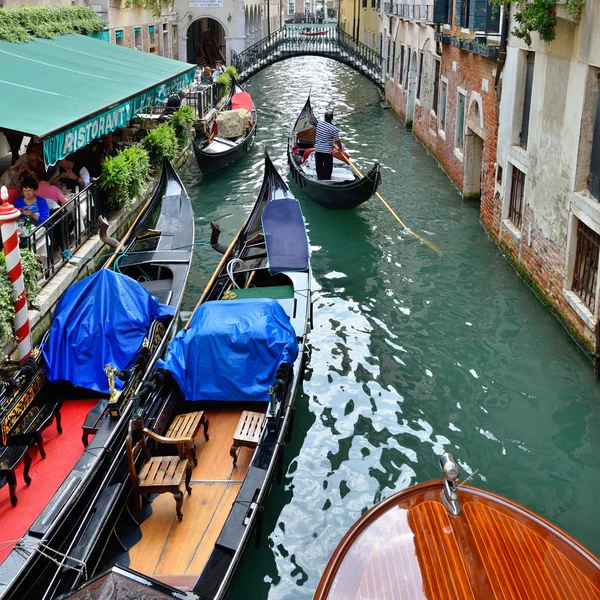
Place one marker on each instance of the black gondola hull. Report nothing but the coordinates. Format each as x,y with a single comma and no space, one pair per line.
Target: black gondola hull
208,162
31,570
336,196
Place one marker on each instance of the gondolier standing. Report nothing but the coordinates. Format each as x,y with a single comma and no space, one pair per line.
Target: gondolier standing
327,136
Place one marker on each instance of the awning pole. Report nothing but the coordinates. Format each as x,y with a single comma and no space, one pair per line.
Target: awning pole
12,256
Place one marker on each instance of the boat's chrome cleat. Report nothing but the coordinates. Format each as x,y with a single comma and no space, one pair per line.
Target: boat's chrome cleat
451,472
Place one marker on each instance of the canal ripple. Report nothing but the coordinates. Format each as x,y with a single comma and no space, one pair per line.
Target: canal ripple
414,352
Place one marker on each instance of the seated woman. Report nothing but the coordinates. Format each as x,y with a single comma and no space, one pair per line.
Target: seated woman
31,205
206,76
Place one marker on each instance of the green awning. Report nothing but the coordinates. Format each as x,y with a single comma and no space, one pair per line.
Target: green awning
73,89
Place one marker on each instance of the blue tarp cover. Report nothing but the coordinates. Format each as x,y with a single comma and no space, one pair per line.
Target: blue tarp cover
232,350
100,320
285,236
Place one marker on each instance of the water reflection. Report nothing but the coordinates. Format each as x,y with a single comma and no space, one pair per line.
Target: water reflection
413,352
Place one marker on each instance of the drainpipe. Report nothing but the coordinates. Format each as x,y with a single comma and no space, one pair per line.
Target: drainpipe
503,38
354,20
268,18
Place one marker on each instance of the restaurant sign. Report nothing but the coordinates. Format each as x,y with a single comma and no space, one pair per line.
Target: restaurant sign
70,140
206,3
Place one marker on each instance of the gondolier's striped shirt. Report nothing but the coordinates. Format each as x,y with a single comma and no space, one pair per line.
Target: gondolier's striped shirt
326,135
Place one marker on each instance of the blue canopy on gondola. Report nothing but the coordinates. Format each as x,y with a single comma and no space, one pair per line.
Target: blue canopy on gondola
285,236
100,320
232,350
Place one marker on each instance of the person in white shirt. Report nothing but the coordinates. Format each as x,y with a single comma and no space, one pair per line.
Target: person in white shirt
68,177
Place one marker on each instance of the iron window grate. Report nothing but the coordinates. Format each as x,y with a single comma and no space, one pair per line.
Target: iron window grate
586,265
515,209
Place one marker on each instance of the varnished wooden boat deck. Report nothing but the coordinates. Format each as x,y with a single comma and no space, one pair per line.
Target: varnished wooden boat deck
410,548
176,551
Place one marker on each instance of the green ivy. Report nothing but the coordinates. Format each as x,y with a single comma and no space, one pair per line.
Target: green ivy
125,176
20,25
31,268
224,80
160,142
155,6
184,117
540,16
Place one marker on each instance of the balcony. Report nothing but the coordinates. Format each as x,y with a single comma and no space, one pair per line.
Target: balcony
388,8
422,13
476,46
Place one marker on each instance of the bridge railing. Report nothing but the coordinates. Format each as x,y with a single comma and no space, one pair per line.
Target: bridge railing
314,39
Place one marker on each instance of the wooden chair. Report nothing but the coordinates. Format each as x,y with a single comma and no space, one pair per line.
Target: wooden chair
247,432
187,427
159,474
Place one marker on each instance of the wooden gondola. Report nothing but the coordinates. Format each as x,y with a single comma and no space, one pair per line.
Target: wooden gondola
440,540
346,189
157,251
214,152
228,493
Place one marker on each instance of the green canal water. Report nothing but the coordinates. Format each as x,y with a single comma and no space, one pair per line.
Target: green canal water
413,352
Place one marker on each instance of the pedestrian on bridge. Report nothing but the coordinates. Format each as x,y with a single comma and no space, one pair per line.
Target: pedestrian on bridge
327,136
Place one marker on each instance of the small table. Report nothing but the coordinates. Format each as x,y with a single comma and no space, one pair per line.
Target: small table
187,426
30,426
10,459
247,432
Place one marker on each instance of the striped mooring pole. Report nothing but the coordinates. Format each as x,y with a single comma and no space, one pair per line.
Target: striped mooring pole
10,241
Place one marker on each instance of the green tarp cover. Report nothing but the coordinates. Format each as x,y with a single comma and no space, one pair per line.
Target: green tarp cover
73,89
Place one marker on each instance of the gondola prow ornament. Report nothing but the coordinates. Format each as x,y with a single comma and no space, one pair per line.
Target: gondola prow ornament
10,242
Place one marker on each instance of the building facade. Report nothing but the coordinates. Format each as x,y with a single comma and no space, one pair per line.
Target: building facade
545,211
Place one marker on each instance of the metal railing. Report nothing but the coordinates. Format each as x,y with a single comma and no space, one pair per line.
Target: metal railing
68,228
202,97
325,40
388,8
415,12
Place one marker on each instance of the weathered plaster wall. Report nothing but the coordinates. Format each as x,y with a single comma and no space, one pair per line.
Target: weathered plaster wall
555,162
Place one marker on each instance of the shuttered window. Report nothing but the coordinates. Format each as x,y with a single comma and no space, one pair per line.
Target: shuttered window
527,100
420,76
517,186
460,121
401,66
407,66
393,58
586,265
461,13
442,11
594,177
443,101
436,85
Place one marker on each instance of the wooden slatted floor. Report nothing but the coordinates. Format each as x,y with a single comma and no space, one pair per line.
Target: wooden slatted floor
176,551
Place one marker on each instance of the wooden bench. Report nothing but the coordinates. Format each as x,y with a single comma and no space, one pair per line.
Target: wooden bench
247,432
30,426
158,474
187,427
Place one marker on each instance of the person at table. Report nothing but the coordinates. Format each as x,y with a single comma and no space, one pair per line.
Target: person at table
218,70
50,192
206,76
32,166
70,177
174,100
30,204
108,148
328,136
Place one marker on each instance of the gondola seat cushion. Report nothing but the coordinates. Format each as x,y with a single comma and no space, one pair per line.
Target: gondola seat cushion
233,123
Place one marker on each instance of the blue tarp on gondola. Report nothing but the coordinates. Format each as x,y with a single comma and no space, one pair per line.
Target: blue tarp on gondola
285,236
100,320
232,350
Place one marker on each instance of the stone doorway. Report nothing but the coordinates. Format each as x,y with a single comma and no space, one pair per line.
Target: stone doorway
206,42
412,89
473,165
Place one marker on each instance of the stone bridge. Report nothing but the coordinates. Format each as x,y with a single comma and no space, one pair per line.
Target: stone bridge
310,40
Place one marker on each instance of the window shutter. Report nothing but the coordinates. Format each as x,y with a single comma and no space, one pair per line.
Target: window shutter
594,178
474,7
440,10
457,8
493,17
479,10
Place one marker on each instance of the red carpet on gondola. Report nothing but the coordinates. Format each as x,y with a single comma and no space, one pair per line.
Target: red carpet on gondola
62,452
